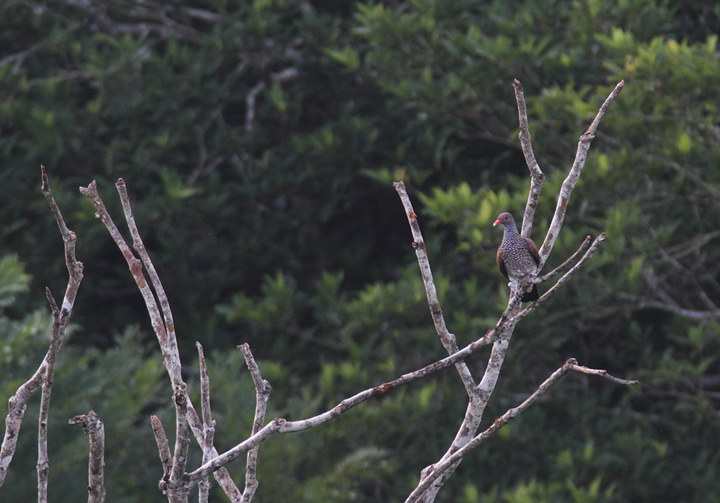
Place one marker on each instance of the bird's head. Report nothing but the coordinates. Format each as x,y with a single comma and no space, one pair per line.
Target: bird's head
504,219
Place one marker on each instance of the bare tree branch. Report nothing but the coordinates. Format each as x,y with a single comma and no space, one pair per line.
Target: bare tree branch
536,175
59,328
564,279
511,316
170,339
163,446
572,178
17,405
446,465
601,373
176,489
43,462
262,395
44,374
93,427
280,425
164,333
283,426
283,75
562,266
477,401
446,338
208,422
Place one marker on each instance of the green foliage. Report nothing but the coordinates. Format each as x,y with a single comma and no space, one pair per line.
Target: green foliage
21,338
168,111
13,280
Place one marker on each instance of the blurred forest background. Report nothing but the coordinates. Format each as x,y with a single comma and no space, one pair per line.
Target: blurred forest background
259,140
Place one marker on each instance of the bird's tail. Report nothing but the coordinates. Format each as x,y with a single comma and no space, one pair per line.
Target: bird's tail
531,295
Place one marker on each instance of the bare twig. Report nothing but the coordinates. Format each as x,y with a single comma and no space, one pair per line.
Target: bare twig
536,175
44,374
176,489
446,465
43,462
601,373
477,398
169,348
572,178
59,328
163,446
75,268
562,266
262,395
286,74
93,427
446,338
564,279
173,360
208,422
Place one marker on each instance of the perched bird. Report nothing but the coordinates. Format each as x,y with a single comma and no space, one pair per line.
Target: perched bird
517,257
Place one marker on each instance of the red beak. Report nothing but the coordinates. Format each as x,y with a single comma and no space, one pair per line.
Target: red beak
496,222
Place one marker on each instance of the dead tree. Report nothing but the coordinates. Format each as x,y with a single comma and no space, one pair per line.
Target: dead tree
178,480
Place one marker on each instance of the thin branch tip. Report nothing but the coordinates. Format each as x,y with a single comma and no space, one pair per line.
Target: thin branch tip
45,181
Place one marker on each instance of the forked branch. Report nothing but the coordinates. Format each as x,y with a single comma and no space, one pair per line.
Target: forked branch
262,395
163,326
208,422
572,178
442,467
44,374
446,338
506,325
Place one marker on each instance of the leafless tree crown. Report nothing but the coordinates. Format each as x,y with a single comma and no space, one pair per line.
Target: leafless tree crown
178,479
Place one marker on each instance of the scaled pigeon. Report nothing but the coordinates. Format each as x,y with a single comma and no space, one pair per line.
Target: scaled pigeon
517,257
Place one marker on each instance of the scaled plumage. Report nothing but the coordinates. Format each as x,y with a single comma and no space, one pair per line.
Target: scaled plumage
517,257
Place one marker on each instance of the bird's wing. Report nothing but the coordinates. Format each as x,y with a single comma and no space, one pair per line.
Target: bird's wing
501,265
533,251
